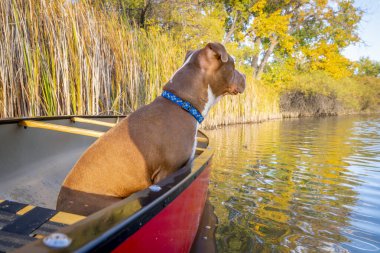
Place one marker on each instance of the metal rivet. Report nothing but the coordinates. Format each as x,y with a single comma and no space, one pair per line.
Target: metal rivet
57,241
155,188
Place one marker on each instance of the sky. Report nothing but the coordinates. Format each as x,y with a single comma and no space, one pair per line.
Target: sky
369,32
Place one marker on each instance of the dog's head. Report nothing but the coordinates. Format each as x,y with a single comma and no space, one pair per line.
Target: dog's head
206,75
217,69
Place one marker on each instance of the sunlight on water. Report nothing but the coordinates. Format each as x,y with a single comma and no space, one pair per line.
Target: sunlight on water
308,185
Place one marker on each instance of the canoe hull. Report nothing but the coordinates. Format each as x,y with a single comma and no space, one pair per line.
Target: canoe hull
174,228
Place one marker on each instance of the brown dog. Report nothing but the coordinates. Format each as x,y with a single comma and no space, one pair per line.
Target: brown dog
155,140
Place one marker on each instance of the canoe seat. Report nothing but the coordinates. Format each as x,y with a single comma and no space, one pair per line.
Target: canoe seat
22,223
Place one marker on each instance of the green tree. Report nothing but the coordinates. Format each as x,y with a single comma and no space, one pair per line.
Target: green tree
367,67
190,23
134,11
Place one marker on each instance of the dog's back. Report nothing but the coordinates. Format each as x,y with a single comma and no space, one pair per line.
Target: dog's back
138,151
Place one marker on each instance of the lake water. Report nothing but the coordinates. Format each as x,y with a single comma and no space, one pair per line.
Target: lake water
303,185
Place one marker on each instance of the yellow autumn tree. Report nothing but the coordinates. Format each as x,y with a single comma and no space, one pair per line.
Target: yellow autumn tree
312,32
326,57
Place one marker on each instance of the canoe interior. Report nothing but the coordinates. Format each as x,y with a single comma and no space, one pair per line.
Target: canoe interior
33,164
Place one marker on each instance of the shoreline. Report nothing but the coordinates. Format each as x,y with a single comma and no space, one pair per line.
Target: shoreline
287,117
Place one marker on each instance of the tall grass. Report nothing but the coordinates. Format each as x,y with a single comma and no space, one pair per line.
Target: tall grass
258,103
354,94
59,58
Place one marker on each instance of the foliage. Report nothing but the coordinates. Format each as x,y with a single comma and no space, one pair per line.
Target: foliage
367,67
354,94
190,23
311,31
371,88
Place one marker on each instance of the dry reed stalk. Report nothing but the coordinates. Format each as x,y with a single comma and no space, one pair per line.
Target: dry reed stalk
58,58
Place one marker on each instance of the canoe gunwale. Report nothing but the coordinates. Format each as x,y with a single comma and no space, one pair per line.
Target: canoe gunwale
114,224
43,118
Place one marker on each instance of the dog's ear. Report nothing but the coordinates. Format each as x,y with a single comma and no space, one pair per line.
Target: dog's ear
188,53
218,50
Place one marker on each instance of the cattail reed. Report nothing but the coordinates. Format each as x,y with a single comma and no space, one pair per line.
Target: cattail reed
64,58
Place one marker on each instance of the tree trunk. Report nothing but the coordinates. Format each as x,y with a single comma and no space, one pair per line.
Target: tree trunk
264,61
229,34
255,57
143,14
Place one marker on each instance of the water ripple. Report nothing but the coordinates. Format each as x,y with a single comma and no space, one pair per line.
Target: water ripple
309,185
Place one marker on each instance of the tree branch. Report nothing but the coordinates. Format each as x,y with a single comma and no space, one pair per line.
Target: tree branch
264,61
229,34
255,57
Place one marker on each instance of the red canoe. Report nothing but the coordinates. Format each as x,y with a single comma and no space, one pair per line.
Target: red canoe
35,156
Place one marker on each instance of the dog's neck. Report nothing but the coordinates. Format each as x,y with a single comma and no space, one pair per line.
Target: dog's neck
211,100
189,84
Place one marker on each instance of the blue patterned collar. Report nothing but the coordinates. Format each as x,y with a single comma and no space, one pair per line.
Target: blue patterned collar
184,105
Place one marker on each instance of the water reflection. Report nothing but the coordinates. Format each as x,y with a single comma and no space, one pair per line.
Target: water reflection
298,185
